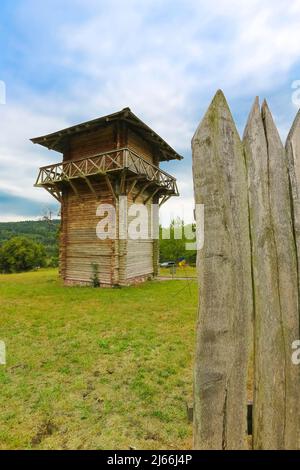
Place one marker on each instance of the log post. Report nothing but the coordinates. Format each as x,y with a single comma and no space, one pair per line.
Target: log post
225,283
280,204
275,287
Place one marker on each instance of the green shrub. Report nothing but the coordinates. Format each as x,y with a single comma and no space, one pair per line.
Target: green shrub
21,254
53,262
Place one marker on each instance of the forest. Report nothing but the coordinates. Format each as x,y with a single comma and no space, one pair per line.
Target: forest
45,232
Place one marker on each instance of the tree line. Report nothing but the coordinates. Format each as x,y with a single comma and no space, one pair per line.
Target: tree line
32,244
28,245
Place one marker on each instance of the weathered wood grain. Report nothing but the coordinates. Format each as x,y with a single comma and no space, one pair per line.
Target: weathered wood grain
90,143
268,358
142,148
102,160
293,161
274,280
119,261
292,148
275,285
225,284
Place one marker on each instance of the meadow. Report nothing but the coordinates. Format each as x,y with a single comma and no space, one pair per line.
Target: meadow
95,368
188,272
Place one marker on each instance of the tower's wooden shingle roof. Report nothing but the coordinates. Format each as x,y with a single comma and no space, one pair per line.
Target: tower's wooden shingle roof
59,140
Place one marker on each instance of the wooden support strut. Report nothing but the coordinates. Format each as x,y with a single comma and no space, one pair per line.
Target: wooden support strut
73,186
110,186
83,176
141,191
151,195
89,185
123,182
54,193
134,182
164,199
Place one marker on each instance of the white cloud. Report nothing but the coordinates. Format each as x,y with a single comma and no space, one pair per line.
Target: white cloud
183,206
168,69
163,59
19,158
17,218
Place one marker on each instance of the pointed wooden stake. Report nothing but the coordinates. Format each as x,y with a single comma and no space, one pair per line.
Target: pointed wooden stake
293,161
292,148
269,360
276,310
225,284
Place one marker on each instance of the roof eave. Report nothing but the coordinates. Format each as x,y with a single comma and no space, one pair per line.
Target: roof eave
52,140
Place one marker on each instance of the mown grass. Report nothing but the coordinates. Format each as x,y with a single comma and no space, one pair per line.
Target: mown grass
182,272
95,368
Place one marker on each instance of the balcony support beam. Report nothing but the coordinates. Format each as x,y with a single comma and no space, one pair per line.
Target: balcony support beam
54,193
73,186
151,195
132,186
165,199
89,185
110,186
141,191
123,182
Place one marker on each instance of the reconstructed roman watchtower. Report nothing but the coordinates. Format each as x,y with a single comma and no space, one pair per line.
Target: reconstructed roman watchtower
115,155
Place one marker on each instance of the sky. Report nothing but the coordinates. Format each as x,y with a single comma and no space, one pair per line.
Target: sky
67,61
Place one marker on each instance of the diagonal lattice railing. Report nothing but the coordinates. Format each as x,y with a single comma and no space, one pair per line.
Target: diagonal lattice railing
103,163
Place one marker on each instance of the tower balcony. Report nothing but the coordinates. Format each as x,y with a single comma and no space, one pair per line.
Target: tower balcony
123,166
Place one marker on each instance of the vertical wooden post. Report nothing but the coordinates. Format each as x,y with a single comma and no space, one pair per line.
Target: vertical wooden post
292,148
115,268
274,263
63,237
285,402
225,284
251,252
155,234
274,282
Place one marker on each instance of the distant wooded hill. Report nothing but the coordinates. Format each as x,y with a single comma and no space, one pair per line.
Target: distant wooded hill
46,233
41,231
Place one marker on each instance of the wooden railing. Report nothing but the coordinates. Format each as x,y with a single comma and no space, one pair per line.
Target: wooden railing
103,163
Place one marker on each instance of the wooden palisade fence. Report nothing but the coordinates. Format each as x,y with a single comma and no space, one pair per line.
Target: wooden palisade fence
248,273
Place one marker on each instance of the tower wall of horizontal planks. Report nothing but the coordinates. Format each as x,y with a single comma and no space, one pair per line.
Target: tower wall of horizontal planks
107,161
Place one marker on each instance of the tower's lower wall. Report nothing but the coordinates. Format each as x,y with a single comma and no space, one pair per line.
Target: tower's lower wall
80,247
118,262
128,282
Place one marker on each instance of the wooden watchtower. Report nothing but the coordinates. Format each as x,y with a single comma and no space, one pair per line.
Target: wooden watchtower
102,159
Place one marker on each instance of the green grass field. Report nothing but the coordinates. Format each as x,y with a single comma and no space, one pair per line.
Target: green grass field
181,272
95,368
